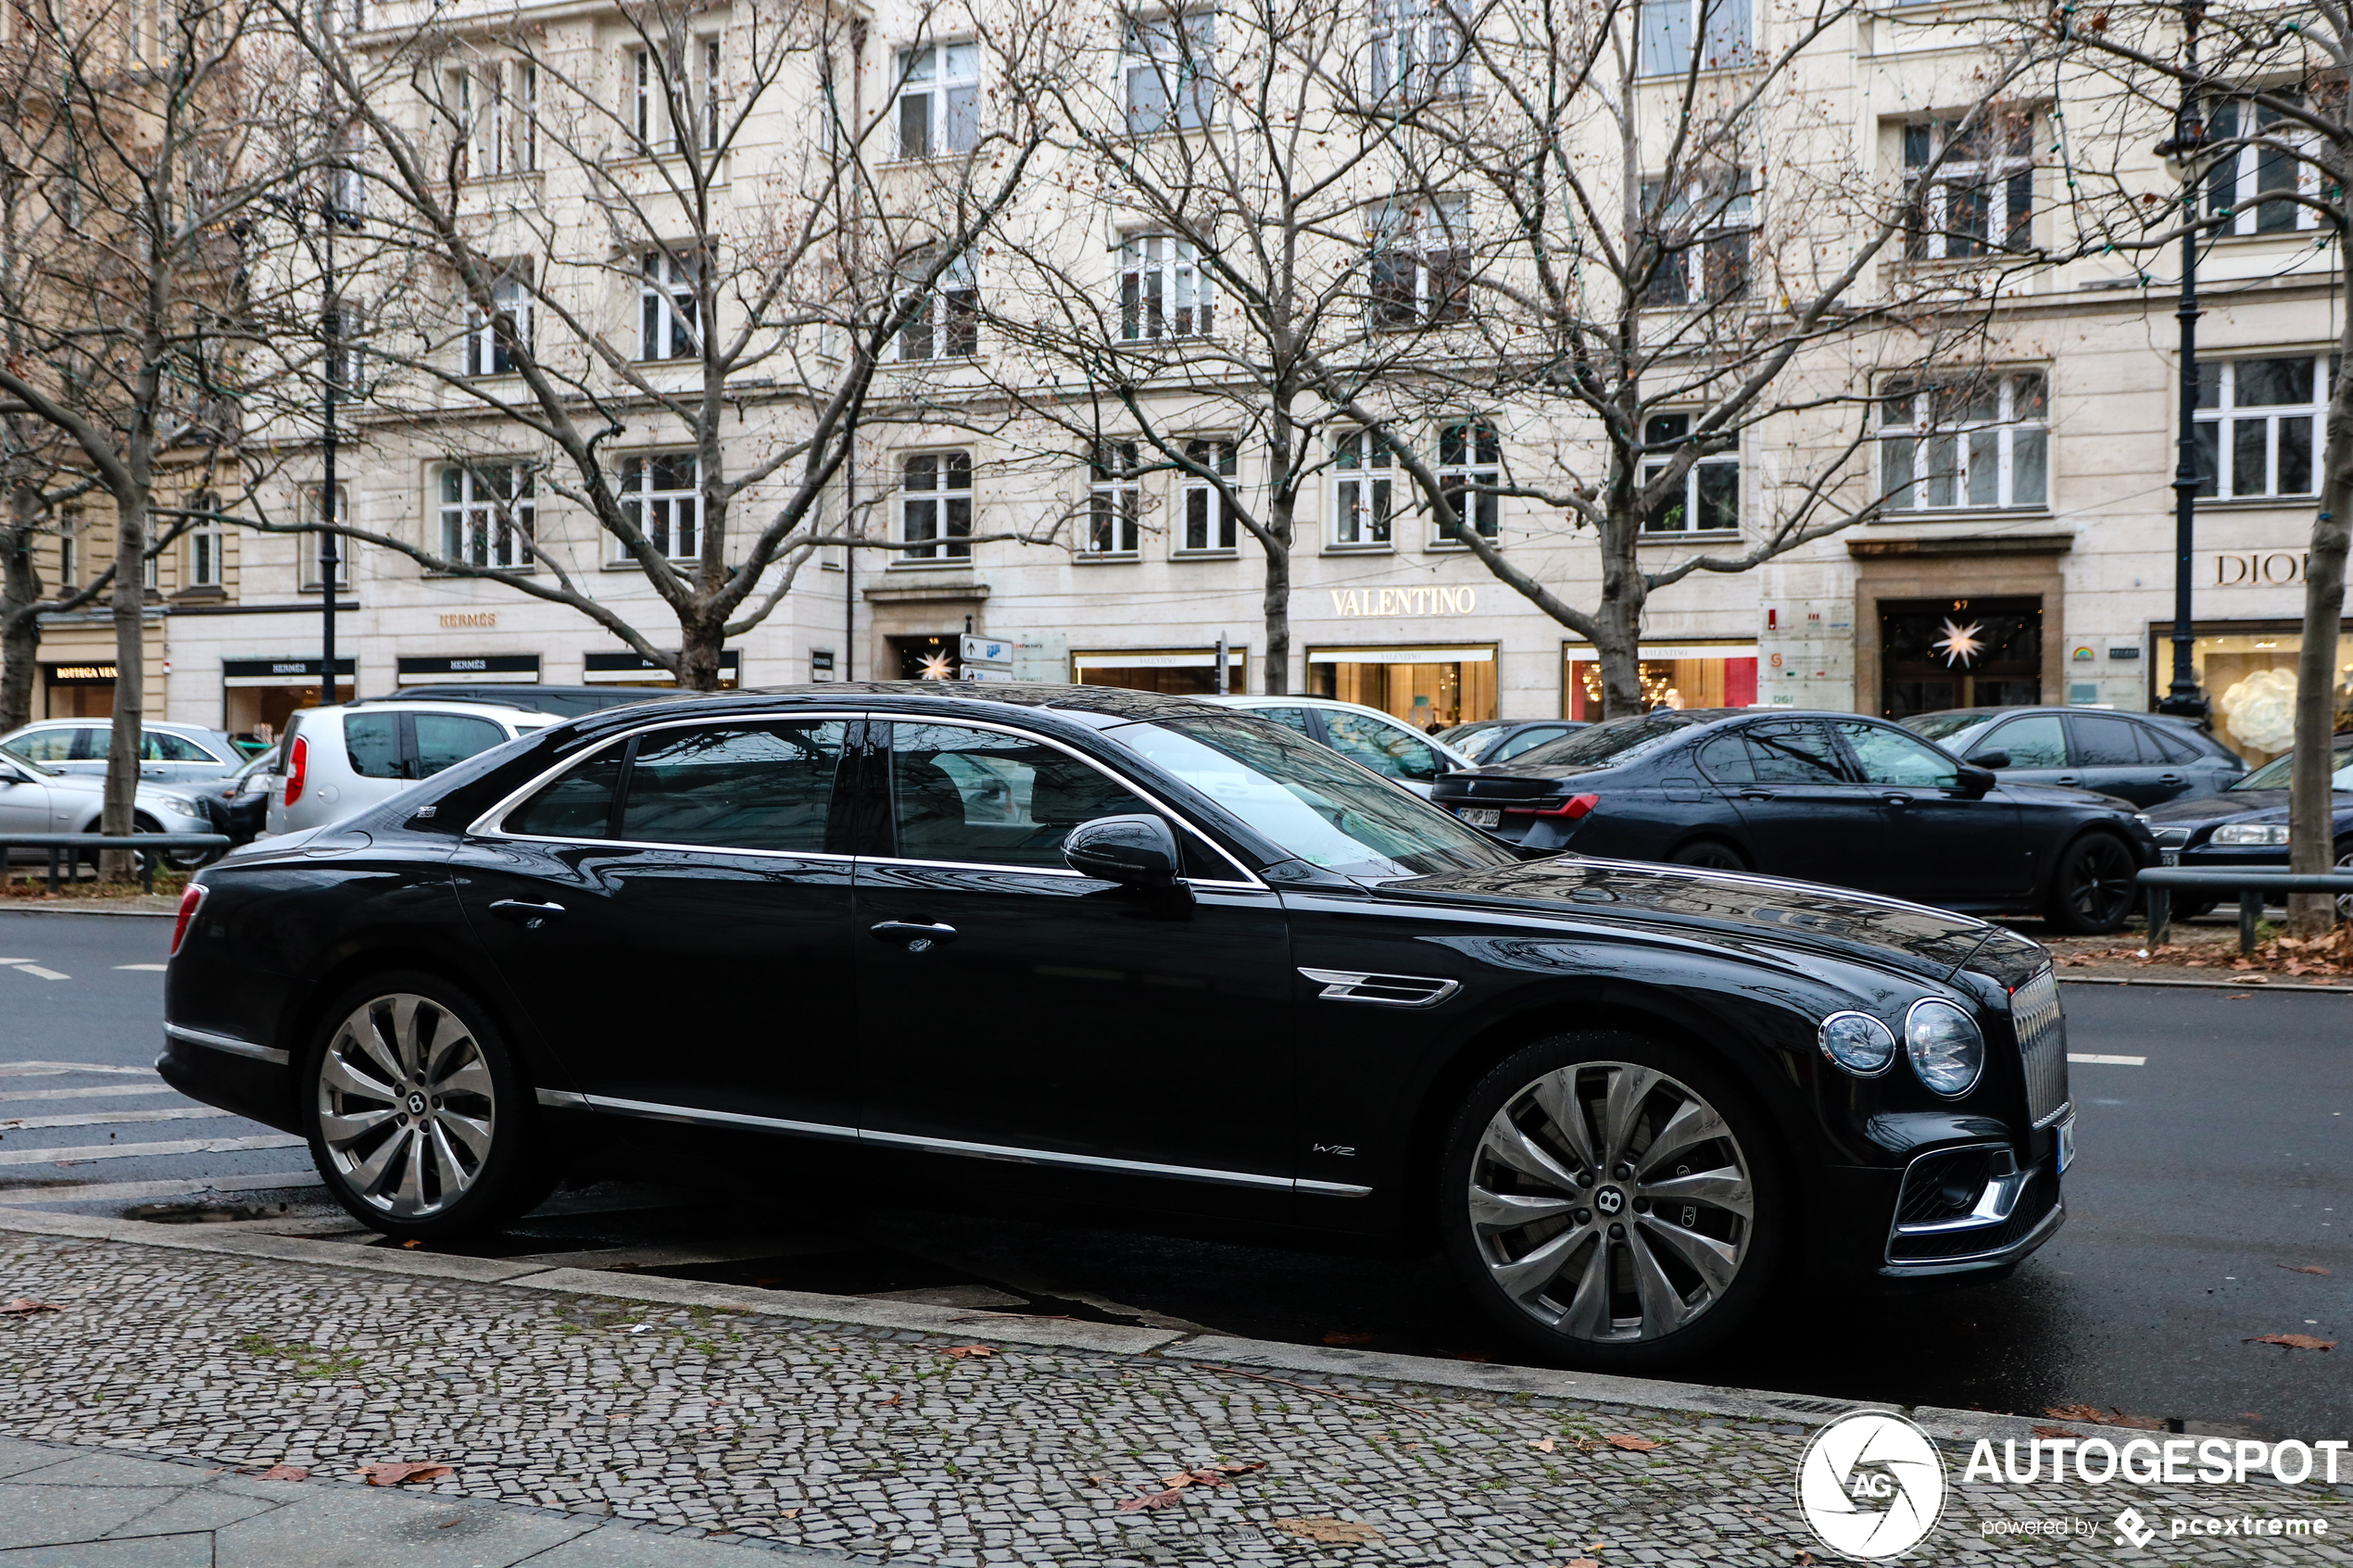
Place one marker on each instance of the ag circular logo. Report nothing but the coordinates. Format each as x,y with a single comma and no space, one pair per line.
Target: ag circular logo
1872,1485
1609,1200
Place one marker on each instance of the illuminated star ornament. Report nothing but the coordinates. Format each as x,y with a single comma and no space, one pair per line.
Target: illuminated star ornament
1961,645
938,667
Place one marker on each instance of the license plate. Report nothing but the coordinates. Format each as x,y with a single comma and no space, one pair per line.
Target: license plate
2169,857
1481,816
2066,1144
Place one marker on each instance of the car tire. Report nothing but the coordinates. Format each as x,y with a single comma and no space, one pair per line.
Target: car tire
1710,854
1525,1201
419,1118
2093,888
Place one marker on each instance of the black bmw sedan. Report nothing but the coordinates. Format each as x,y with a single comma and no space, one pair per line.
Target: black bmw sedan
1835,798
1086,949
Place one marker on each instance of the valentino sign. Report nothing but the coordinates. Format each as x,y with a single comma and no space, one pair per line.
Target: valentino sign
1405,601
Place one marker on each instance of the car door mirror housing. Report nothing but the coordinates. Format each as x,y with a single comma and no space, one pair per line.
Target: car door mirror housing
1990,759
1135,851
1975,779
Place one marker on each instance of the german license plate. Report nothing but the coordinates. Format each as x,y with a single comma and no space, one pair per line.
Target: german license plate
1481,816
2066,1144
2169,857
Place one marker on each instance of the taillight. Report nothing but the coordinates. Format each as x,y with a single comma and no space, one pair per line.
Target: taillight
297,769
190,902
1573,808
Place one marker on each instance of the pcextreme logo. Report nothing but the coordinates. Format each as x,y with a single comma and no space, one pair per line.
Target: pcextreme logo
1870,1485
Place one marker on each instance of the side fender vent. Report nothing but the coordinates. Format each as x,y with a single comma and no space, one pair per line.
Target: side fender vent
1381,990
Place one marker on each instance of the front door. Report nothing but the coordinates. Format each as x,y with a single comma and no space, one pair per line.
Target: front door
673,917
1014,1008
1943,845
1936,654
1802,815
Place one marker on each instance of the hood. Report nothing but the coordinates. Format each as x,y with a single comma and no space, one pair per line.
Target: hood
1932,944
2229,803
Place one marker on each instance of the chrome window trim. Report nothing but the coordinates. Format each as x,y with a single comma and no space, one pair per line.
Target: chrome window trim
228,1043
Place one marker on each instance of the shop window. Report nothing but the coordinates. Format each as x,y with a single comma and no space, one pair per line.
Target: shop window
2277,162
1979,199
1707,499
938,100
1115,500
1208,515
1703,234
488,511
1363,489
661,497
1670,26
1471,457
1428,688
1168,70
2250,676
935,507
2255,423
1694,675
1162,292
1172,672
1978,442
1421,50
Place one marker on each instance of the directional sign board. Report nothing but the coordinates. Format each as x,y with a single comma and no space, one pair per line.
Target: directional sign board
986,658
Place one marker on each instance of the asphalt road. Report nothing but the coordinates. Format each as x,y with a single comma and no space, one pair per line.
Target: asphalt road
2209,1176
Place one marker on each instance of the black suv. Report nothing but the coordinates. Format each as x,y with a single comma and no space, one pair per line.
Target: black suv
2142,758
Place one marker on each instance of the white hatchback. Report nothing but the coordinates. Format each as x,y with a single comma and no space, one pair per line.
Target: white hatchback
338,760
1387,745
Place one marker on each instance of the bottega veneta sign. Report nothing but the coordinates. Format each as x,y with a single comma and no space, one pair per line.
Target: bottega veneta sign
1405,601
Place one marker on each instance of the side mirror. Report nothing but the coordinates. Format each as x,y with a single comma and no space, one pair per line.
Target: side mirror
1138,851
1975,781
1990,759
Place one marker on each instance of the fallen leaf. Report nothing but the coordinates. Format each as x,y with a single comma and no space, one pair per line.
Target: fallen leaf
1634,1445
790,1513
284,1473
1168,1498
1337,1338
2093,1415
2075,1412
1577,1562
892,1401
394,1473
2301,1268
1542,1445
412,1244
25,1306
1340,1532
2292,1341
1098,1480
961,1351
1804,1559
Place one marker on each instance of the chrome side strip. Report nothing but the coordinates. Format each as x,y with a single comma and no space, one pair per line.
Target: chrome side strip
696,1117
1331,1190
562,1099
228,1043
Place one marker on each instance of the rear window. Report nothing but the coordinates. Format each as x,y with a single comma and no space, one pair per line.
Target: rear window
1612,740
372,743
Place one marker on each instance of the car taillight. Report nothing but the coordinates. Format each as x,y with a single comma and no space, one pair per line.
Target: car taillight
1573,808
190,902
297,767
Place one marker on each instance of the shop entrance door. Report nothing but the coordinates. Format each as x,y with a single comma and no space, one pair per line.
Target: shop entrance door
1936,654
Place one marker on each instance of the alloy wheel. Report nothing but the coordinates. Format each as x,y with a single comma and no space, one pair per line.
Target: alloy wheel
2102,882
1611,1202
407,1109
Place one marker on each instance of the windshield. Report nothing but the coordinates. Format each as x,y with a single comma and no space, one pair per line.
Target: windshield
1473,743
1617,740
1314,802
2274,773
37,770
1937,726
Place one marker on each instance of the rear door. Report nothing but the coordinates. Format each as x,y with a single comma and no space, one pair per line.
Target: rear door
1803,815
2106,749
1942,844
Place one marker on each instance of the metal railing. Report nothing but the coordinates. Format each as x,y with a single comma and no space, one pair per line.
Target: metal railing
2250,885
61,843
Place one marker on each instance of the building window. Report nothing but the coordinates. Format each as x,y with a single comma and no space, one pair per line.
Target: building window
648,105
1469,455
1419,266
1668,27
204,541
1208,514
1704,239
315,546
945,322
938,99
1979,442
714,100
1981,199
69,549
935,507
491,341
661,496
1421,49
1708,500
2255,423
1364,490
457,103
666,310
487,513
1115,500
2239,181
1161,293
1168,66
526,117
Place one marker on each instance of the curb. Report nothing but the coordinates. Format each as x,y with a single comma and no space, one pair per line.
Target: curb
2203,985
29,907
1209,1351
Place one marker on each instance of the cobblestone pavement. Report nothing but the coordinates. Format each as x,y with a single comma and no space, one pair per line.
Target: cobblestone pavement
882,1444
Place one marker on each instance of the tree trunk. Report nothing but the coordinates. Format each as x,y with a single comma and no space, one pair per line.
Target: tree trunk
698,648
1277,600
130,680
2311,816
1619,626
19,627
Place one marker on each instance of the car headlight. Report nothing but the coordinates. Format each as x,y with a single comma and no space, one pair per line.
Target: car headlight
2251,832
1858,1043
1946,1049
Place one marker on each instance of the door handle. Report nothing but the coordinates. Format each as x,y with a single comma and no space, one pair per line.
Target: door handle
2169,778
1756,794
918,937
531,915
2067,779
1896,799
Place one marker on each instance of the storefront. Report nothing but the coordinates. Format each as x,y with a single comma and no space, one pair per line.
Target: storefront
257,695
2248,671
490,669
1430,688
1706,673
634,669
1175,671
78,691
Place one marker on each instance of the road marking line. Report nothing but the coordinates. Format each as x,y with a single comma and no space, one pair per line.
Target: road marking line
114,1192
2107,1061
112,1118
36,970
138,1150
51,1068
158,968
10,1097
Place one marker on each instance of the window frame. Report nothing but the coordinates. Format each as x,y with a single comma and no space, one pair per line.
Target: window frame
668,306
1219,519
1693,499
2221,456
1148,281
1420,72
1425,242
1475,461
1365,492
204,566
635,498
1176,48
2245,169
474,509
1929,232
1699,24
511,296
1115,501
945,325
1923,434
944,118
943,545
1709,230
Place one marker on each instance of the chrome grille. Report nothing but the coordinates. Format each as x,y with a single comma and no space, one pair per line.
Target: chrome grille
2041,1026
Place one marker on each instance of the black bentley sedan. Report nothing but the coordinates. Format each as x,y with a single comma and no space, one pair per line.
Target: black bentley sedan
1836,798
1082,949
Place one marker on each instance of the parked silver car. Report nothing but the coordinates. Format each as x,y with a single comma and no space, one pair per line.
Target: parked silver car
337,761
1385,743
168,753
35,797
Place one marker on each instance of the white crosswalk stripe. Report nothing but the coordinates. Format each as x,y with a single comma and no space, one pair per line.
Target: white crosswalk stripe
141,1150
110,1118
158,968
2091,1060
51,1068
94,1091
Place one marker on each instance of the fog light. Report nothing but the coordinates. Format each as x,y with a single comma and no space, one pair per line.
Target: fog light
1946,1050
1858,1042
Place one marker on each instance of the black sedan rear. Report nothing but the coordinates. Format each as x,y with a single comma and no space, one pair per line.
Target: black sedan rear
1836,798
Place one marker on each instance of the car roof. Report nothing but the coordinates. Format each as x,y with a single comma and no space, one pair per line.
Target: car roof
432,705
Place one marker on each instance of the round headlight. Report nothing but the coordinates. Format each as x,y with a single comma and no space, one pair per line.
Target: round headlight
1946,1050
1858,1042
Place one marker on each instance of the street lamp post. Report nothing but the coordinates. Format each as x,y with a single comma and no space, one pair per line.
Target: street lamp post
2182,698
330,330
